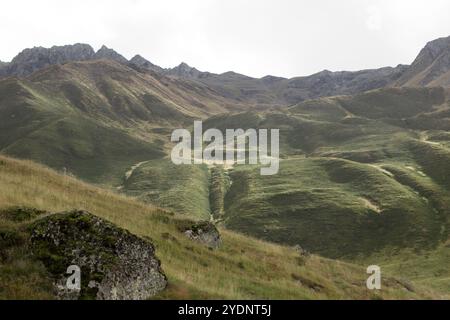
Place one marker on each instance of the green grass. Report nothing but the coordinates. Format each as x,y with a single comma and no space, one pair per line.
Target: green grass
335,207
183,189
242,268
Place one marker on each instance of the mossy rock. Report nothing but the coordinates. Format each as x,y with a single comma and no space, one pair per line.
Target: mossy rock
203,232
114,264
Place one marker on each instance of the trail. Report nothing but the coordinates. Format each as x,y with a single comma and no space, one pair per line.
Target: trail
130,172
424,138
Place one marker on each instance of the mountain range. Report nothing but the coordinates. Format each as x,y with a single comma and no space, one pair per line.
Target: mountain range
364,172
429,69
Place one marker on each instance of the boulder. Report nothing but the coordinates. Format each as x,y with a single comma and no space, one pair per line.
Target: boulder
203,232
114,264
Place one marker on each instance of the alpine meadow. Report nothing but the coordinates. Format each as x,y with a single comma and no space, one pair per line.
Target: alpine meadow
357,174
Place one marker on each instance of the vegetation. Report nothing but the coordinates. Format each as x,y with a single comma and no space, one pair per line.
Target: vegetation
242,268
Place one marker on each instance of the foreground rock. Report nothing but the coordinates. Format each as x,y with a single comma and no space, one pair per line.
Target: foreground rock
203,232
115,265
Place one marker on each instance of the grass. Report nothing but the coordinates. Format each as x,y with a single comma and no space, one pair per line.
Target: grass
334,207
182,189
243,268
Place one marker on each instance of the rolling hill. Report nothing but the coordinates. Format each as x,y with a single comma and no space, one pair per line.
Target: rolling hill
97,118
364,172
242,268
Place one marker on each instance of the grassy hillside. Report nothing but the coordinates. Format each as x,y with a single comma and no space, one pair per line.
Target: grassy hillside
334,207
242,268
98,118
342,176
182,189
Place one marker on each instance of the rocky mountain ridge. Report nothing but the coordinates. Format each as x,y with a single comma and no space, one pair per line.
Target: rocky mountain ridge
431,68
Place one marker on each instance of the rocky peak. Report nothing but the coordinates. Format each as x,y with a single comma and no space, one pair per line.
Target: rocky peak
144,63
432,62
435,48
107,53
184,70
32,59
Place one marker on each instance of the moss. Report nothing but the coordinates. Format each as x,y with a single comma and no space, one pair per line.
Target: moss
59,240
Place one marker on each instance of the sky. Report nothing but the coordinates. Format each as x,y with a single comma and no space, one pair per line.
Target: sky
254,37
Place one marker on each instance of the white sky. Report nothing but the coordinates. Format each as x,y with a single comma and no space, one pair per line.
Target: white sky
254,37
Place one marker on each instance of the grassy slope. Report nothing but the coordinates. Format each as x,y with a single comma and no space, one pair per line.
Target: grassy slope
182,189
389,199
242,268
334,207
98,118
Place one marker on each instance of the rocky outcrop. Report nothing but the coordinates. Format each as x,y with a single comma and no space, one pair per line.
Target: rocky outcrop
107,53
184,71
114,264
143,63
37,58
431,67
203,232
30,60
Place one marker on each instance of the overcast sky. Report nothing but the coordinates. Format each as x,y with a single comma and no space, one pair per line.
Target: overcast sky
254,37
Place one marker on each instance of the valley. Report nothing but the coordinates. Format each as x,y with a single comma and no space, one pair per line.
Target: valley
364,172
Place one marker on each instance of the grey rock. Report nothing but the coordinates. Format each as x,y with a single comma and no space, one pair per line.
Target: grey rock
185,71
31,60
432,62
115,265
302,252
143,63
107,53
205,233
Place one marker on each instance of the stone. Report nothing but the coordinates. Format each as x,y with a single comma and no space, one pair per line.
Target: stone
115,265
205,233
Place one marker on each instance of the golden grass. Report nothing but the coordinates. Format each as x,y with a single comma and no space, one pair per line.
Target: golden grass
243,268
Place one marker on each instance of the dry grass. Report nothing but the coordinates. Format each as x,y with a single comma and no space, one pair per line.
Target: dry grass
243,268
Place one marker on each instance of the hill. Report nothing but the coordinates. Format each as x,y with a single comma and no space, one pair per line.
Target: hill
243,268
359,176
97,118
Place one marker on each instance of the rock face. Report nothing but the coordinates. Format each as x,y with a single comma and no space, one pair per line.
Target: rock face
185,71
203,232
34,59
30,60
431,67
115,265
145,64
107,53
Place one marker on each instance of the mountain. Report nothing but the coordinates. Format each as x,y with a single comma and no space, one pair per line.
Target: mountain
266,92
31,60
106,53
184,70
143,63
364,170
37,58
359,164
97,118
431,67
273,91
